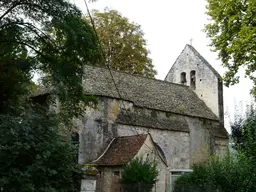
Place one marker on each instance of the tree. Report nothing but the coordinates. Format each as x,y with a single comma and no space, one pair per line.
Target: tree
123,43
34,156
27,45
50,37
232,30
139,175
243,132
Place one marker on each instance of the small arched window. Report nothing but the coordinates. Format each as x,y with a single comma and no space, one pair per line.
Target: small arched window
183,79
193,79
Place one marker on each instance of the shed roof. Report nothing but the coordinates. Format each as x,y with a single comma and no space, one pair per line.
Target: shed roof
145,92
121,150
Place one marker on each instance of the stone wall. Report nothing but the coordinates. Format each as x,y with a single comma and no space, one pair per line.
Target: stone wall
208,86
184,140
175,145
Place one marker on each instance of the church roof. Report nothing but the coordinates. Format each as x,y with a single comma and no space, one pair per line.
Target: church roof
121,150
173,123
145,92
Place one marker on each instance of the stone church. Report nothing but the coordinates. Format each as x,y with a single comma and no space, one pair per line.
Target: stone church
182,114
178,121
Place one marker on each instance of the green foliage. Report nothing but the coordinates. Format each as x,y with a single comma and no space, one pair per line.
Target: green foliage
232,30
244,135
236,171
34,155
232,173
49,37
139,175
123,43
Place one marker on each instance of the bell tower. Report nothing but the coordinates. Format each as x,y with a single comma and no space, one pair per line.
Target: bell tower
192,70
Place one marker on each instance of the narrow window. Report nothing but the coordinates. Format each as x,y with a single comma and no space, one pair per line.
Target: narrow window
193,79
117,173
75,141
183,79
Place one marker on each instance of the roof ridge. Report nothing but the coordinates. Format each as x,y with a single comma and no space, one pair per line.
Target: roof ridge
174,63
137,75
131,136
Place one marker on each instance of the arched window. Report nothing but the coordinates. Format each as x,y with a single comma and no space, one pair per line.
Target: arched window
193,79
183,79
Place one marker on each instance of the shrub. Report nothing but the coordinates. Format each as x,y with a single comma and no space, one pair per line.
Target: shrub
232,173
139,176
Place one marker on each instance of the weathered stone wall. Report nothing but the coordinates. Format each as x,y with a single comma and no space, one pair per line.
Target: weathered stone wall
200,140
208,87
182,146
95,130
148,150
175,145
221,146
184,140
109,181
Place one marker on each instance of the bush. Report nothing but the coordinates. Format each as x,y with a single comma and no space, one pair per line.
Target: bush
34,156
139,176
232,173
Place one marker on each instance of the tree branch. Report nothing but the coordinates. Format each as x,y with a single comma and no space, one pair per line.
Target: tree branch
14,6
33,29
28,45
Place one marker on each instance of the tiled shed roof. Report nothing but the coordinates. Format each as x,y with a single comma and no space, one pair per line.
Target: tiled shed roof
121,150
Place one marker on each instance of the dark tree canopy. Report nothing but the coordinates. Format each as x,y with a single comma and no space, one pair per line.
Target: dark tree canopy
123,43
232,30
47,36
34,156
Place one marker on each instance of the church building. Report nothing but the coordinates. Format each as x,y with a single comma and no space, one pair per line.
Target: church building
183,116
178,121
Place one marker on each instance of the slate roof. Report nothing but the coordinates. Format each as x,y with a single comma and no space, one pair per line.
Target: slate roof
146,92
142,120
220,131
121,150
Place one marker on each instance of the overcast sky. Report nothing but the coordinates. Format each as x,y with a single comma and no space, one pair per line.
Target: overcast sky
168,26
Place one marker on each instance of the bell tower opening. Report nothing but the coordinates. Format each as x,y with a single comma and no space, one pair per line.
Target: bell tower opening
193,79
183,79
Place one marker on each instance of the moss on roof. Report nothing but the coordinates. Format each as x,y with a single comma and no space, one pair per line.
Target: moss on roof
146,92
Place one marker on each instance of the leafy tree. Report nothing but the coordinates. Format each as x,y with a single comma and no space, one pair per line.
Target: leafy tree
27,44
232,30
34,156
243,132
139,175
52,38
123,43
